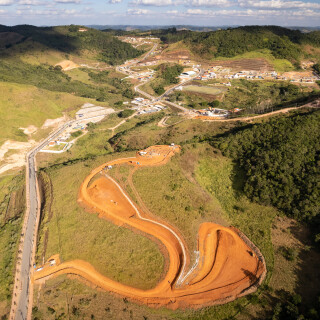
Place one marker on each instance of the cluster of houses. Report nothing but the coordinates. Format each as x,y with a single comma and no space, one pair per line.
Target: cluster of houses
152,109
142,76
213,112
139,101
216,112
218,72
145,106
137,41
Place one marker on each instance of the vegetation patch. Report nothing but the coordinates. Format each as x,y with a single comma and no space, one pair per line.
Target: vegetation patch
205,89
12,207
77,234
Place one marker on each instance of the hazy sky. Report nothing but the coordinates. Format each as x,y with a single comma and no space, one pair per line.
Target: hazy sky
161,12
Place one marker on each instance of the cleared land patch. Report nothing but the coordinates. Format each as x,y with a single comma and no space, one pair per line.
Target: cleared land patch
205,89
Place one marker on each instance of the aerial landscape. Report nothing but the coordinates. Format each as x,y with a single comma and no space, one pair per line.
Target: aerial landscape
160,159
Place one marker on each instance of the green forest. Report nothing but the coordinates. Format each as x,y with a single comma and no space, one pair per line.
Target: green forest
281,162
283,43
168,75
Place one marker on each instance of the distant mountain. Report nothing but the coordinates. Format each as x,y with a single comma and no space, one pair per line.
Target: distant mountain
183,27
156,27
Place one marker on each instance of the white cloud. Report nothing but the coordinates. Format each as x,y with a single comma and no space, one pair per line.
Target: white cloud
253,13
32,2
68,1
115,1
6,2
138,12
278,4
210,3
155,3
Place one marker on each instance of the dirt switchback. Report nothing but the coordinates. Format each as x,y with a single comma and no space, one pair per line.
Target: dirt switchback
228,264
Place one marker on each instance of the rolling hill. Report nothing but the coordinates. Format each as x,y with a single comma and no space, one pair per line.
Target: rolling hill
282,43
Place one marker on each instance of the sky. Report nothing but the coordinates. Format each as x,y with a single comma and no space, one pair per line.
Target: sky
161,12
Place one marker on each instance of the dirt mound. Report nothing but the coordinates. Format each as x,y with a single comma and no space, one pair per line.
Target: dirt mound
297,75
29,130
18,157
228,265
53,122
260,64
67,65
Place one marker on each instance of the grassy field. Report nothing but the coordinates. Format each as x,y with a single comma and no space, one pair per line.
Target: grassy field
77,234
80,75
12,206
280,65
172,194
205,89
23,105
67,298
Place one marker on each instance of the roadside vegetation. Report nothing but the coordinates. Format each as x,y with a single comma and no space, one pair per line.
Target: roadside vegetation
12,207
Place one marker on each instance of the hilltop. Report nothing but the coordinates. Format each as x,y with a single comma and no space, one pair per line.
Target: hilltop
282,43
72,39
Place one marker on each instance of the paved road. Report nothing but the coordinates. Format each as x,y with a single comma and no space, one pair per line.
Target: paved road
24,290
27,249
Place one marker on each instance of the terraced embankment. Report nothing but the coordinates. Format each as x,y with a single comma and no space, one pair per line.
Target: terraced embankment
228,266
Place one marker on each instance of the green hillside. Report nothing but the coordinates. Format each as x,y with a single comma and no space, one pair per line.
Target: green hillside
283,43
280,159
67,39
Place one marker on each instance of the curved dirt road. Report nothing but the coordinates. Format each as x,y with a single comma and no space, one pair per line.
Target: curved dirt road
228,267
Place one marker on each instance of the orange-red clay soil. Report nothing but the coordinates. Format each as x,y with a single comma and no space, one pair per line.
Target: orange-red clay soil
228,266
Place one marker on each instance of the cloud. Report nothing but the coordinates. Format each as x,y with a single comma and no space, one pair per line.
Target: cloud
68,1
115,1
253,13
155,3
278,4
192,3
138,12
210,3
6,2
32,2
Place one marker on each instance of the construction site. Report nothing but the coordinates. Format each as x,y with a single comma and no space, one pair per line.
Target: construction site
228,264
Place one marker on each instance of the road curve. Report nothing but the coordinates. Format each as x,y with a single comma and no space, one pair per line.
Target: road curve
229,267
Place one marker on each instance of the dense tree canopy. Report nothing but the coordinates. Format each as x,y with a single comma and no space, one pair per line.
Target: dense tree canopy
281,160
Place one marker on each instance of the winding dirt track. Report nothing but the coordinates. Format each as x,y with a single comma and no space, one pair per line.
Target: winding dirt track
229,265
